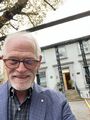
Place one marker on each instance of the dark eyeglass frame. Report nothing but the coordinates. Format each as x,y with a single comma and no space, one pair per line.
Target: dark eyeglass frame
28,63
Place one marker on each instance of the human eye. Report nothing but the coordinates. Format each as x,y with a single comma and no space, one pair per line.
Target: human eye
29,61
12,61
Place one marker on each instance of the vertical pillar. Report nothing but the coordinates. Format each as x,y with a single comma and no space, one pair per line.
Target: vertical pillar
59,69
85,65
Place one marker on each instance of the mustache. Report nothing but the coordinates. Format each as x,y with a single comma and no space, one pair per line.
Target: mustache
22,75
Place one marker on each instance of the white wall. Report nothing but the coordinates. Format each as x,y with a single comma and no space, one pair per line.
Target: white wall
73,61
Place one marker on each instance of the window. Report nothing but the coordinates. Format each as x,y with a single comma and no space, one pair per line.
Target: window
42,75
85,46
62,52
84,72
43,56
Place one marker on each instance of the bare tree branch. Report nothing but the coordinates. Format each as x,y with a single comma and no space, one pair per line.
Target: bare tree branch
14,19
10,13
29,13
31,21
2,10
49,5
13,26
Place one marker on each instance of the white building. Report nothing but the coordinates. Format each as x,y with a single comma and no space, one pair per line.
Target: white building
71,64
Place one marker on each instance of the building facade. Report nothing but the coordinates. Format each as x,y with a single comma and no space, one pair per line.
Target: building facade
71,61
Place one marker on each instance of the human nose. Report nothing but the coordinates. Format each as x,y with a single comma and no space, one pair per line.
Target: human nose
21,67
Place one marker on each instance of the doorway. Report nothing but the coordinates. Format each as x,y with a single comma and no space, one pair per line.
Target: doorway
68,83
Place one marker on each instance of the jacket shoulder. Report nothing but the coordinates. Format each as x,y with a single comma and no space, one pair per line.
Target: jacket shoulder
58,104
52,95
3,87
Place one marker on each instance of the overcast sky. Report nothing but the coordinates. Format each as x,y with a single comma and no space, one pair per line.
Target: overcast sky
68,30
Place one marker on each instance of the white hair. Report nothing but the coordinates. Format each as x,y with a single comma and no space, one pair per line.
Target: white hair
22,34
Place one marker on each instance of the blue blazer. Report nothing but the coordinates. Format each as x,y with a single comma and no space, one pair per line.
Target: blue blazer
46,104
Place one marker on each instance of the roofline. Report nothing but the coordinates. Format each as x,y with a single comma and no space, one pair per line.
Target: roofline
56,22
66,42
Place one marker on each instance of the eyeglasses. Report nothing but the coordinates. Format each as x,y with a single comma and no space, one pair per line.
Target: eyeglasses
29,63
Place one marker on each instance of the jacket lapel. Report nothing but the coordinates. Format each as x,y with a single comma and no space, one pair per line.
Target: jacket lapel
38,105
3,102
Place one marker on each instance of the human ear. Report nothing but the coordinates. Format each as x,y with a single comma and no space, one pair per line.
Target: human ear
39,63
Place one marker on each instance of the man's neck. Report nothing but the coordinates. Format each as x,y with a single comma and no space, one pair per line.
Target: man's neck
21,95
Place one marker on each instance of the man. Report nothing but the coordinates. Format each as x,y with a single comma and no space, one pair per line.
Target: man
20,97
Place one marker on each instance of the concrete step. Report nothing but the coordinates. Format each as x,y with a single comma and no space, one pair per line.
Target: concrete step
72,95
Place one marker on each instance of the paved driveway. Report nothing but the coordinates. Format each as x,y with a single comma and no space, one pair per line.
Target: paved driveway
80,110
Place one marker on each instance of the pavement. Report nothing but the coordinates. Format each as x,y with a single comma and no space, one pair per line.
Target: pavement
80,110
